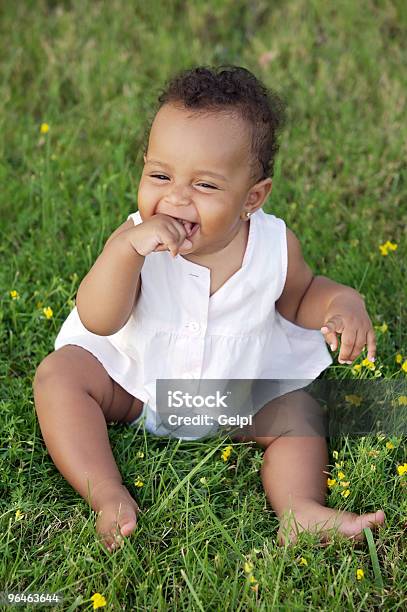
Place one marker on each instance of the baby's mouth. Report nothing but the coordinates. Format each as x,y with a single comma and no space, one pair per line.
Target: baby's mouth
190,227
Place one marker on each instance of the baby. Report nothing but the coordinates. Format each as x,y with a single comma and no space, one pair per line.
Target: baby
200,247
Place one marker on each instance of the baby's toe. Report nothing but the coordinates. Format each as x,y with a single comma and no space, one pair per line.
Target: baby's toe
113,532
353,525
109,540
127,524
372,519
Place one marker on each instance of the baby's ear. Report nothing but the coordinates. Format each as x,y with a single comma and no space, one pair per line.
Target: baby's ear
260,191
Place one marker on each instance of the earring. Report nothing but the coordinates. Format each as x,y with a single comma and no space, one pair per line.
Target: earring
248,214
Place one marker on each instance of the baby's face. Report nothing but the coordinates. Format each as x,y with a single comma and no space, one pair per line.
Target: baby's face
197,169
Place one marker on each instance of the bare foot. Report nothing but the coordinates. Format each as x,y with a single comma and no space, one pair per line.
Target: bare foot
117,516
311,516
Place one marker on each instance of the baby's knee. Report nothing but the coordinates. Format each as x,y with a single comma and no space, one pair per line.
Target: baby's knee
49,369
69,363
46,383
53,377
72,371
305,416
294,414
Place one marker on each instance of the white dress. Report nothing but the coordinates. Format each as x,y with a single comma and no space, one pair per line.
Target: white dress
178,331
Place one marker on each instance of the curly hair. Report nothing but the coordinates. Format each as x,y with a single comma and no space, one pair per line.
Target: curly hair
235,89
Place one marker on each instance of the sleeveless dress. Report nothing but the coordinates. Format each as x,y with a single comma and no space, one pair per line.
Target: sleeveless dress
178,331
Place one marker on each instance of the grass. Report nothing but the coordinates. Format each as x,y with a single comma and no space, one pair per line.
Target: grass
92,71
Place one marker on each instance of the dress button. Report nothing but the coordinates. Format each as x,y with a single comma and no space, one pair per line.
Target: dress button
193,326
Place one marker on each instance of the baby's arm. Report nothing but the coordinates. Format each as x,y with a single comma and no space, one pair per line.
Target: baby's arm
316,302
305,298
107,293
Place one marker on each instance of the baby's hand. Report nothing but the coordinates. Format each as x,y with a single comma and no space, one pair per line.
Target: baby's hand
349,318
159,233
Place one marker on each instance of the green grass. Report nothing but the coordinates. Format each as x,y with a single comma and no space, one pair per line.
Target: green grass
92,71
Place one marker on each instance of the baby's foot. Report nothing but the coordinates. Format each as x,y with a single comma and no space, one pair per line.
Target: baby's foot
313,517
117,516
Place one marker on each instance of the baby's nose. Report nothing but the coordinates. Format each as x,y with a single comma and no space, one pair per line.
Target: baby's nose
179,195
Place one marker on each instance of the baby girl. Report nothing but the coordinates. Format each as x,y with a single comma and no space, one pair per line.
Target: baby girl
200,283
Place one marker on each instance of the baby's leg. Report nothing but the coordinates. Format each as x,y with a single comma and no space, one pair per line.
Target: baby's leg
74,398
294,470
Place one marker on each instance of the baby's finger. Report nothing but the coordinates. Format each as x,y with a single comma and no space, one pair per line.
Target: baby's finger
182,240
332,339
172,237
360,342
329,329
348,340
371,345
334,324
175,247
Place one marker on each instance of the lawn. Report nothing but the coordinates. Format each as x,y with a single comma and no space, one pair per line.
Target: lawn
91,71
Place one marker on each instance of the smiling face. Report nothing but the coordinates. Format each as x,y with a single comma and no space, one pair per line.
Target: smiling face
197,168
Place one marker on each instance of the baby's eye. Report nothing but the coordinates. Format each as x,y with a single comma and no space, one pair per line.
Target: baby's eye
159,176
207,186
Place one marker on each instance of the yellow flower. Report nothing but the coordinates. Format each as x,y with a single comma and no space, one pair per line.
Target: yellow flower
14,294
138,483
345,483
404,366
335,454
368,364
331,482
345,493
19,515
360,574
356,400
356,369
248,567
226,453
402,400
399,358
402,469
384,248
341,475
98,601
48,312
383,328
140,455
389,445
303,561
339,465
44,128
